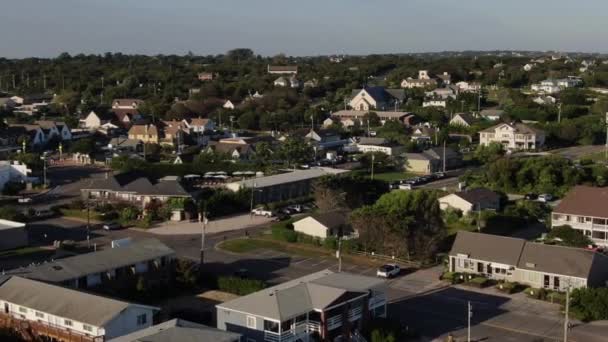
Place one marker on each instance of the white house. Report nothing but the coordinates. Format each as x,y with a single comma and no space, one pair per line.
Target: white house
528,67
379,98
462,119
435,103
228,105
469,87
94,121
57,312
199,125
471,200
323,225
281,82
13,171
126,103
513,136
545,100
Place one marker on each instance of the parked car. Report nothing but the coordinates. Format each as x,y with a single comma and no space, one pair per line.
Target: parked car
439,175
530,196
24,200
406,187
111,226
545,198
388,271
296,208
43,214
262,212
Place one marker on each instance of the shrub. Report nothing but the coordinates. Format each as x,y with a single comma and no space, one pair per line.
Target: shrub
330,243
590,304
240,286
479,282
509,287
536,293
144,223
284,234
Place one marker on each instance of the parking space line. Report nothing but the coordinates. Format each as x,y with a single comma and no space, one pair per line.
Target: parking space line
319,263
301,261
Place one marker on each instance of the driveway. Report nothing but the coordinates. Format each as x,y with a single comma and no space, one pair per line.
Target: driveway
221,225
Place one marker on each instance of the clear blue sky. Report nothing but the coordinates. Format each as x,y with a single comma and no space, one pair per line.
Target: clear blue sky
299,27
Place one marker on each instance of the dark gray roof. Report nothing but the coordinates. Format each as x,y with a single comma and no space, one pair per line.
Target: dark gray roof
135,183
381,94
568,261
97,262
314,291
62,302
331,219
179,330
478,195
575,262
437,153
501,249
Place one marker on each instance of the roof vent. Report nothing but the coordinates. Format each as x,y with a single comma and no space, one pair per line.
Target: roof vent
530,265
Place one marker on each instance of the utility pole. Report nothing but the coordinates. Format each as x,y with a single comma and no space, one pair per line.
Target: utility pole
469,315
44,81
368,127
566,318
14,83
373,159
443,156
251,201
202,219
479,101
339,254
559,112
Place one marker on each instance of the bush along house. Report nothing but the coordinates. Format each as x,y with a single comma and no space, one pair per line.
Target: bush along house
323,305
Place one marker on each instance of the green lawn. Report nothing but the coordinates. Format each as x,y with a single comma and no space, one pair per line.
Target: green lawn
252,244
21,252
392,176
455,227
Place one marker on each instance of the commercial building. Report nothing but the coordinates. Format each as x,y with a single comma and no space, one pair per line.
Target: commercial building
324,305
48,312
584,208
283,186
532,264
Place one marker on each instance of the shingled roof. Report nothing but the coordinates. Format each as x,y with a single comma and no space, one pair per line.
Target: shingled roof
585,201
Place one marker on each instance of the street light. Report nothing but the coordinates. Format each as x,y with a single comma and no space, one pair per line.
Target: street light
202,219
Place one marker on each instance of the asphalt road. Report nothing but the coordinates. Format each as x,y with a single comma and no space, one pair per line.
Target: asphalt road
417,299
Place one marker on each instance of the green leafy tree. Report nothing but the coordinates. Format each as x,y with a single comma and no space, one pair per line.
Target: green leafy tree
566,236
86,146
295,151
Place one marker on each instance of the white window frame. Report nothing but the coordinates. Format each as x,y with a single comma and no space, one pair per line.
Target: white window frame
23,309
39,314
68,323
253,321
87,327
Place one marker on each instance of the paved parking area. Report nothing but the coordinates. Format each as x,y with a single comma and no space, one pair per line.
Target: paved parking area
226,224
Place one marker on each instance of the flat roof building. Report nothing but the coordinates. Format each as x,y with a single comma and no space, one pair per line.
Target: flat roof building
12,235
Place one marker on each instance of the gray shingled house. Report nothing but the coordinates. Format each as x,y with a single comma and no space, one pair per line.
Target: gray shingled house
533,264
323,304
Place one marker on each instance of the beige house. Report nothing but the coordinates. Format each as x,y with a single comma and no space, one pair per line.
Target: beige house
532,264
323,225
431,160
584,208
471,200
145,133
513,136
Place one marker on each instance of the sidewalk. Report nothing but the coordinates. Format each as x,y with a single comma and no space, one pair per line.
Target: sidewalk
220,225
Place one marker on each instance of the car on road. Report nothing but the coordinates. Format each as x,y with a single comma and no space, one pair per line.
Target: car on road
24,200
111,226
262,212
388,271
545,198
44,214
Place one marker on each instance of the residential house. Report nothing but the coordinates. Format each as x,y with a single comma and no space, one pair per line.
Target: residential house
411,83
322,305
282,69
432,160
97,270
13,171
35,134
235,151
545,100
445,78
325,139
229,105
462,119
468,87
472,200
584,208
179,330
348,118
365,145
324,225
94,121
147,133
378,98
126,104
55,128
438,102
311,83
126,117
131,187
491,114
206,76
528,67
422,134
549,86
12,235
124,144
531,264
281,82
283,186
31,104
9,139
449,92
199,125
513,136
48,312
174,133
